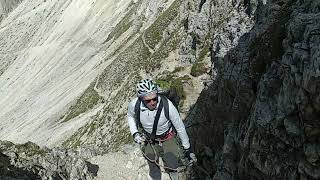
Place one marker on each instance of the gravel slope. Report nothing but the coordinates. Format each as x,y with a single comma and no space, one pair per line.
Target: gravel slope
50,52
127,164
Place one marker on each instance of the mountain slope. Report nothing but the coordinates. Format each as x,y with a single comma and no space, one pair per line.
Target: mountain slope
68,69
50,55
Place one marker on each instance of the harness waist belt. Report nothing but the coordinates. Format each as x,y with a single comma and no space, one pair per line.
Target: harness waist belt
168,136
165,136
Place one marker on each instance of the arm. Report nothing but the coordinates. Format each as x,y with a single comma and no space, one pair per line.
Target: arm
178,124
130,117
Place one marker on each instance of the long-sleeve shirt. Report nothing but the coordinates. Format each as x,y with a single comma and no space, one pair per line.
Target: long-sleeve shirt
147,118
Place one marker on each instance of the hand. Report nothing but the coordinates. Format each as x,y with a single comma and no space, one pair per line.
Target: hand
139,138
190,155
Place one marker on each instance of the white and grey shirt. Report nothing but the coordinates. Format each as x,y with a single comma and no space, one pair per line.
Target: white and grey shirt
147,118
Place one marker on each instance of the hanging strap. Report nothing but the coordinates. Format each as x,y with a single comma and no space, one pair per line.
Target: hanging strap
137,110
137,113
166,111
165,105
156,120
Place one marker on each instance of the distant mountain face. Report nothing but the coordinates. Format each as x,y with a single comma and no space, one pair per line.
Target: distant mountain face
55,52
51,51
69,68
6,6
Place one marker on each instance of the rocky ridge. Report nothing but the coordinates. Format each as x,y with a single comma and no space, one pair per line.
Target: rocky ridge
257,116
269,85
68,80
29,161
43,60
6,6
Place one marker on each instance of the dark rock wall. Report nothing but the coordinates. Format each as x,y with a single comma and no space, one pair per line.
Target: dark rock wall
30,162
10,172
259,119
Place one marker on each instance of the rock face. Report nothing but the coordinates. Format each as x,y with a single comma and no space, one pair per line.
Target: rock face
68,69
127,163
8,171
6,6
66,78
262,108
29,161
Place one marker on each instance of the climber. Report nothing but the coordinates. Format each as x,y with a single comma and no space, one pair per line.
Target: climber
154,123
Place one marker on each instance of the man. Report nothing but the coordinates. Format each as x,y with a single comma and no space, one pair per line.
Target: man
158,130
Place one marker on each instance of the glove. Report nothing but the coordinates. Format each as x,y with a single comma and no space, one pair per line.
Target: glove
139,138
190,155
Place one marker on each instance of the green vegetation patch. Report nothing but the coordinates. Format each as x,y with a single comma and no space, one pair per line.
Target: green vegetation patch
30,149
116,124
203,53
164,84
84,133
120,134
133,59
125,23
198,69
174,83
153,34
171,44
87,101
125,68
74,141
178,69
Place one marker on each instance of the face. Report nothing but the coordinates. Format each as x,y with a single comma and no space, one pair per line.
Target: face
151,101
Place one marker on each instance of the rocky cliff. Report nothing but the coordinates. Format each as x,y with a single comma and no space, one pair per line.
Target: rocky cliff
6,6
68,69
29,161
263,108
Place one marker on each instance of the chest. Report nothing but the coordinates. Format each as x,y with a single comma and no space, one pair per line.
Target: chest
147,117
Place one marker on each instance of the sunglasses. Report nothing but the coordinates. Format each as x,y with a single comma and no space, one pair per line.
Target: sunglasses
149,100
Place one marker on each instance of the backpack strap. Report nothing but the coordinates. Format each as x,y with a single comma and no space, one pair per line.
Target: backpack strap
137,113
166,106
156,120
166,111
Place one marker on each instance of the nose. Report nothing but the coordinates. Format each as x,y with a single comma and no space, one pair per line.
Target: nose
153,102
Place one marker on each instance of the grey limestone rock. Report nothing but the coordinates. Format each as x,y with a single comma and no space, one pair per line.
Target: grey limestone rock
29,161
266,95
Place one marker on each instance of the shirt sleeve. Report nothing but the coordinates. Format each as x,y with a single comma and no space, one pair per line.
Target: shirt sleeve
178,124
130,117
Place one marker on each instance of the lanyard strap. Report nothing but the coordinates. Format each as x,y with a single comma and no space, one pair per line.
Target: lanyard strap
156,120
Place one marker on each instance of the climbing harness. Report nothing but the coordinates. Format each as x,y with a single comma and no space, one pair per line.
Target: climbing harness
152,137
190,164
179,169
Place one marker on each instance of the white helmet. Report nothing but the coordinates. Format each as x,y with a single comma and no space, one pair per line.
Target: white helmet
146,86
